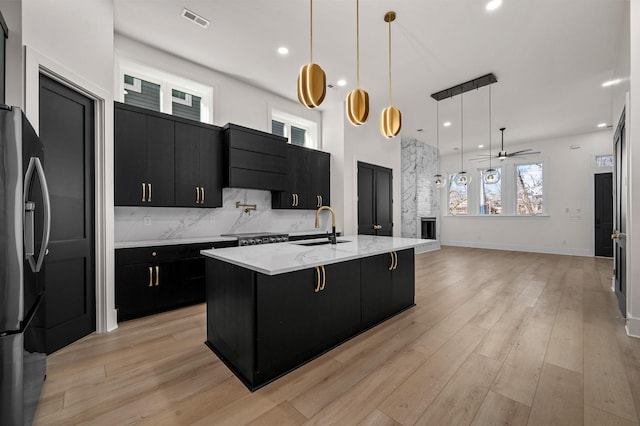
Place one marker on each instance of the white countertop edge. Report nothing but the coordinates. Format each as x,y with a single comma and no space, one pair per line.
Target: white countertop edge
171,242
397,243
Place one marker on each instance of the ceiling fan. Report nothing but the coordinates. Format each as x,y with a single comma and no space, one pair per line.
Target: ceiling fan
503,154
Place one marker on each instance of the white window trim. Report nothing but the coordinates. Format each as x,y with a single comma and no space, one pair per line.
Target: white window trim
508,188
312,135
167,82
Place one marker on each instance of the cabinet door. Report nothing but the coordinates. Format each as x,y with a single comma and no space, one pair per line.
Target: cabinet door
375,288
187,153
340,311
134,290
192,281
211,172
319,179
167,289
295,195
130,157
403,290
160,163
288,327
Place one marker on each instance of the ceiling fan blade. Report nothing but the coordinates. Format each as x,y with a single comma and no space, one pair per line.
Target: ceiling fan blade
523,154
521,151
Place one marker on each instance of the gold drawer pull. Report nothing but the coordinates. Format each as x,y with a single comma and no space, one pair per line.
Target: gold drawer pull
150,276
149,199
324,278
144,192
317,289
197,195
157,276
202,197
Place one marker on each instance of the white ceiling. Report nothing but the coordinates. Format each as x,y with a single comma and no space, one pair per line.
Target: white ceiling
550,56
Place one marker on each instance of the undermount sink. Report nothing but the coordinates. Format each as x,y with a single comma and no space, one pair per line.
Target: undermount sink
320,243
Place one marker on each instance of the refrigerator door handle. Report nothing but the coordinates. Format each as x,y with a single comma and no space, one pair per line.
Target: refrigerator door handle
35,164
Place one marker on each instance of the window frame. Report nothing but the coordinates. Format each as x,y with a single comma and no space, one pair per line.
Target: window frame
481,184
312,134
167,83
451,177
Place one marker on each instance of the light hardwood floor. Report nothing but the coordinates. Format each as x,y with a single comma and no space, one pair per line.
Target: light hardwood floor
495,337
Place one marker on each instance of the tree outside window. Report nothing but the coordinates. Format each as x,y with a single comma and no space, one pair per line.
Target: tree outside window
457,197
491,194
529,196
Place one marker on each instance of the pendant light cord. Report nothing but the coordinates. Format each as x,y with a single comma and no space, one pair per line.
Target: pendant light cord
310,31
438,136
489,127
390,102
358,43
461,133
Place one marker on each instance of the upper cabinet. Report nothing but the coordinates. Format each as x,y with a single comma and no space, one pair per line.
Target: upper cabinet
166,161
308,181
144,145
198,165
254,159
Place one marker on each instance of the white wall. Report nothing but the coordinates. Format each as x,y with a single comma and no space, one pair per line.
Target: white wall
633,228
12,12
333,122
73,41
569,186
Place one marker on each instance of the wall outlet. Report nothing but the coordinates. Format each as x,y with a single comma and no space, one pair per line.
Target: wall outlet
146,220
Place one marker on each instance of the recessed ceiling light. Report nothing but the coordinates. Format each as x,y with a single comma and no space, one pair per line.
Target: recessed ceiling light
456,148
493,4
283,50
610,82
420,130
602,125
446,124
341,83
480,146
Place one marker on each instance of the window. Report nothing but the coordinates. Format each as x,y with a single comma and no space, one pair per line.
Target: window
141,93
491,194
298,130
529,195
159,91
604,161
457,197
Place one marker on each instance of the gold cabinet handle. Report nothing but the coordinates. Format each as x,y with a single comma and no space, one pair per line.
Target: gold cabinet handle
321,201
297,200
144,192
150,276
197,195
202,198
395,255
615,236
324,278
392,261
317,288
157,276
149,199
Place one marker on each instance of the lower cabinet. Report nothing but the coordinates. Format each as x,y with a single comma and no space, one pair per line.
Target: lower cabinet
263,326
155,279
326,311
387,285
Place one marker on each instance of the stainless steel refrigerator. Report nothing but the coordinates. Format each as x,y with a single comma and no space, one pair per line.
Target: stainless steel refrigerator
25,220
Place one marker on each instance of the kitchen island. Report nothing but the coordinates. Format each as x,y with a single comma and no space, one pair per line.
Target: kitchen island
274,307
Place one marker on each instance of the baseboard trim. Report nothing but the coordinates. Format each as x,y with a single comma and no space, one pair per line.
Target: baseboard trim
433,246
513,247
633,327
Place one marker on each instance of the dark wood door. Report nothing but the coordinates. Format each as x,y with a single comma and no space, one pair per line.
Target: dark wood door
160,163
620,215
187,177
130,158
210,162
603,214
67,132
403,286
375,287
375,200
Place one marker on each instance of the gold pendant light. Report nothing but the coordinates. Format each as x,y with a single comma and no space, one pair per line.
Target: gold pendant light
390,119
358,99
312,81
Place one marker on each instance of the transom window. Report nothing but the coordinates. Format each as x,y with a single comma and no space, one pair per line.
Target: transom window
299,131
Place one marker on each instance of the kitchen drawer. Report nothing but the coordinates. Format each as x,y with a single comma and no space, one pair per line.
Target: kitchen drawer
131,256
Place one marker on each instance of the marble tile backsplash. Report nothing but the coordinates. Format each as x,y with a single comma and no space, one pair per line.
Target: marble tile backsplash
163,223
420,197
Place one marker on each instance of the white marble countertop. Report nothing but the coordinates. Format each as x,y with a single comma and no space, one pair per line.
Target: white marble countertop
170,242
278,258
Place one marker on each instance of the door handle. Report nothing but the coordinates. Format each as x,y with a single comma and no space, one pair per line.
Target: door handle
149,199
157,276
202,198
197,195
35,164
144,192
376,227
150,276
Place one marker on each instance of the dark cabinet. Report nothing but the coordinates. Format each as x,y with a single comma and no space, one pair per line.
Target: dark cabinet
144,166
254,159
308,180
155,279
198,166
325,312
387,285
375,200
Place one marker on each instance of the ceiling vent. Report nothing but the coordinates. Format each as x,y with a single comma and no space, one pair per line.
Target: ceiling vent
195,18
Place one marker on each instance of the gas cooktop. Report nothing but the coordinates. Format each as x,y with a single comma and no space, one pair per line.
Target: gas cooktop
253,238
